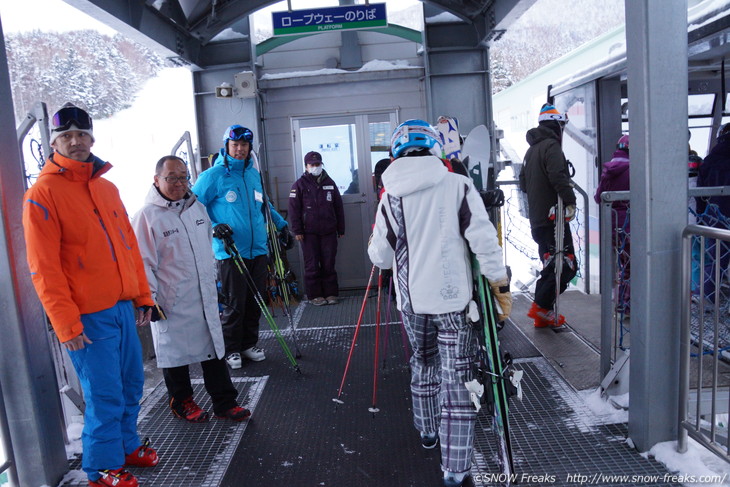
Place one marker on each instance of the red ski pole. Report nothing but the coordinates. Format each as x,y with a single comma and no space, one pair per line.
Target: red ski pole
354,338
374,409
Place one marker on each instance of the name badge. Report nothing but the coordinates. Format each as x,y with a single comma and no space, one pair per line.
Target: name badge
258,196
330,187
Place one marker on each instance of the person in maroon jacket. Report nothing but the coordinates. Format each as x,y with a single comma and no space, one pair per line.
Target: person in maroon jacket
317,219
615,177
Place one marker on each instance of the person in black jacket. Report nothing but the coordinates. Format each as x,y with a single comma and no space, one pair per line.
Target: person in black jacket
715,210
317,220
544,176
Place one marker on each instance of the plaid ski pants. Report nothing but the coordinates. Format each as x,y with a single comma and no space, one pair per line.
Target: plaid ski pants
444,350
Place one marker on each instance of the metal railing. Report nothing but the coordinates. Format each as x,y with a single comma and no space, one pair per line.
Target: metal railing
8,466
615,279
611,324
187,154
711,400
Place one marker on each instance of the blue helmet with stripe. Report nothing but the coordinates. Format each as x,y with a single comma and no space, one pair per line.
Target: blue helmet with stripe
415,135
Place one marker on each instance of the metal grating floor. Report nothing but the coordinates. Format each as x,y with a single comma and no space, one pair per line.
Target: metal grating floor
300,437
191,454
555,434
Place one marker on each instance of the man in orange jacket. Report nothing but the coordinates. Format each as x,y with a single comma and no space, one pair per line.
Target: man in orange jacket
88,273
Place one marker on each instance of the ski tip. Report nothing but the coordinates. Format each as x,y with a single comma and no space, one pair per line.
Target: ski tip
374,410
338,401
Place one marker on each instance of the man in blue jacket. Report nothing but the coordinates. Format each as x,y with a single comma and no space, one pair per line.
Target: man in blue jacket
232,192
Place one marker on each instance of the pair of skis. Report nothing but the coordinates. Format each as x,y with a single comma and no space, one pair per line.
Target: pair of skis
495,380
280,274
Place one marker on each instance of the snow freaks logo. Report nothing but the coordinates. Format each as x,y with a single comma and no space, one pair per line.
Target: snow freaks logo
231,196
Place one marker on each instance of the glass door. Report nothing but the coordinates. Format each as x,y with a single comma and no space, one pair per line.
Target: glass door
350,146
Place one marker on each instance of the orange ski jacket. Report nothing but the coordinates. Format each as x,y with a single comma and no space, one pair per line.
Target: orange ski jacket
81,249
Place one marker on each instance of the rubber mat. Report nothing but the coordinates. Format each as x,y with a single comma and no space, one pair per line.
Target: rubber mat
301,437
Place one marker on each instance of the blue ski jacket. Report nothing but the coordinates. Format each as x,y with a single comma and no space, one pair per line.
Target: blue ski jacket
232,193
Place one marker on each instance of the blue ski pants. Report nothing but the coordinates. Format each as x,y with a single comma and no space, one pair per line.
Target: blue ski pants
112,377
444,351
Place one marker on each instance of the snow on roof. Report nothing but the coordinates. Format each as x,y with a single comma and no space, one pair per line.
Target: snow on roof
707,12
374,65
229,34
443,18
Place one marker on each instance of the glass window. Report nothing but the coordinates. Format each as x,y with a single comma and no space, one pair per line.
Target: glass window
699,129
700,104
336,144
580,147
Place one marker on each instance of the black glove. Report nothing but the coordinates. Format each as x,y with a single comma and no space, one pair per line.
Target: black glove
222,231
157,313
286,239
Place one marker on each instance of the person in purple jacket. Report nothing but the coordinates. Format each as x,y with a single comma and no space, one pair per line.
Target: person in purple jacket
317,219
615,177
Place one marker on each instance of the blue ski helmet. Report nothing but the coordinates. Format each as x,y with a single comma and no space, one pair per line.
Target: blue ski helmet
237,132
414,135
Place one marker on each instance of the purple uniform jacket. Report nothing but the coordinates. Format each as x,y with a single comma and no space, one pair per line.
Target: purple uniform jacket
315,206
615,177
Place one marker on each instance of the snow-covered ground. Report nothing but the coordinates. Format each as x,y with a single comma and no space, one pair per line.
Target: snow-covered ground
134,139
697,466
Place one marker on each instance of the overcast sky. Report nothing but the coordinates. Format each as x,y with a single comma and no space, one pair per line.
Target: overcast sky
47,16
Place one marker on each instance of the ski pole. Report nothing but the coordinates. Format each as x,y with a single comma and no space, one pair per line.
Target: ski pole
230,247
387,322
374,409
354,338
558,261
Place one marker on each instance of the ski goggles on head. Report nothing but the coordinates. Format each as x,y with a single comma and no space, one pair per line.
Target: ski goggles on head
240,133
68,116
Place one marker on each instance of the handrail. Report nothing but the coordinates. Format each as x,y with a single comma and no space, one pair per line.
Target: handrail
7,445
685,427
606,273
192,163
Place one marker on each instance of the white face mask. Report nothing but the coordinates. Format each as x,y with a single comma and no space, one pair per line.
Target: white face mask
315,170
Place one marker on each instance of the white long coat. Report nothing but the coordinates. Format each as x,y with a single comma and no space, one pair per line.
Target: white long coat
175,241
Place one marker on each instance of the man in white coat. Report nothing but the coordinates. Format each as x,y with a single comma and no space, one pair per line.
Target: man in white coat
174,233
427,221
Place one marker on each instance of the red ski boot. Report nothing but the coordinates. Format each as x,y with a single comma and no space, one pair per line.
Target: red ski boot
144,456
115,478
544,317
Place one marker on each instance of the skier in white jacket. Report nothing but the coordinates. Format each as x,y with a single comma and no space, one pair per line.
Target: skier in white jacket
174,234
427,222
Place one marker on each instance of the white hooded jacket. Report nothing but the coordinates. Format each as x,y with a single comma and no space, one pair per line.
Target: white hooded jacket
175,242
427,221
